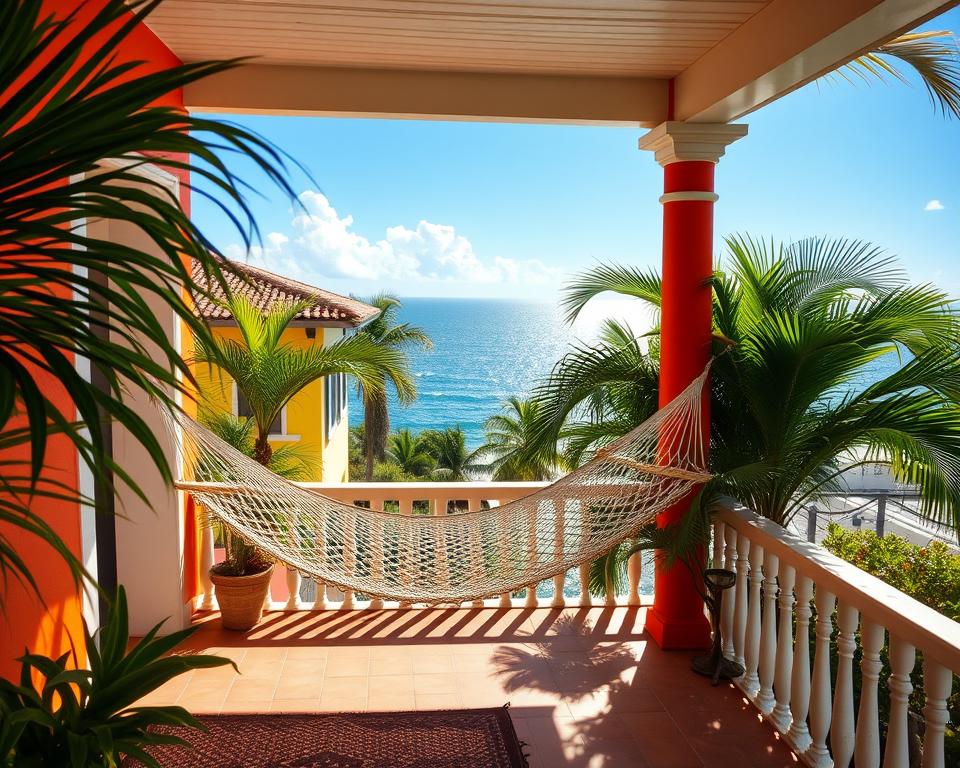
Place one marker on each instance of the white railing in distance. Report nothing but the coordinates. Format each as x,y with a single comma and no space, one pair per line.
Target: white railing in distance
435,497
769,617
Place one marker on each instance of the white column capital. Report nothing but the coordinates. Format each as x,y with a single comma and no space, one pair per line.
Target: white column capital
675,141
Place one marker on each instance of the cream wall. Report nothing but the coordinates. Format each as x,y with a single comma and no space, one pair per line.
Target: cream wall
304,416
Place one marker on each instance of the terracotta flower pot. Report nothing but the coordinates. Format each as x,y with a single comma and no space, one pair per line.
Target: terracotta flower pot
241,598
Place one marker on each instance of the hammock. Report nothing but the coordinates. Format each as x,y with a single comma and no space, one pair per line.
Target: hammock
459,557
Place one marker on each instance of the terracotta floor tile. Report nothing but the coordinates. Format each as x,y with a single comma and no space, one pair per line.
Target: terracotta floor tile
433,665
586,687
342,703
295,705
428,701
304,652
386,700
348,687
298,687
438,683
391,665
349,666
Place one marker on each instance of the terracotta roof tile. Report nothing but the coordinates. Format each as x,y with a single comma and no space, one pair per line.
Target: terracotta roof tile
265,289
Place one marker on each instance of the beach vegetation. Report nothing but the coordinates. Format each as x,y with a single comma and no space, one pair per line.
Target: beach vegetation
399,338
794,395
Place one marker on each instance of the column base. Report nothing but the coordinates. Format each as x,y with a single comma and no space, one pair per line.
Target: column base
677,635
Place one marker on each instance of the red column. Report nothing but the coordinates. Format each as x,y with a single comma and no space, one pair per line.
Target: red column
688,153
677,619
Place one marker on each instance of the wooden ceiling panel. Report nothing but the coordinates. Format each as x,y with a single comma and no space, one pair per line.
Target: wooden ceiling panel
635,38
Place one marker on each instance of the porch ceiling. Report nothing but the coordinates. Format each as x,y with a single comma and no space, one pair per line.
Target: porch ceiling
554,60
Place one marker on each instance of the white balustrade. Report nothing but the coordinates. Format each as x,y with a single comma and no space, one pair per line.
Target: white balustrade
781,715
728,598
815,710
206,603
768,634
559,527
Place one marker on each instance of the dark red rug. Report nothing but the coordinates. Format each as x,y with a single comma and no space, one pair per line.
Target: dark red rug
474,738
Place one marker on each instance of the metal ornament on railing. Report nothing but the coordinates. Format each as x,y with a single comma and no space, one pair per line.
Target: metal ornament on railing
715,665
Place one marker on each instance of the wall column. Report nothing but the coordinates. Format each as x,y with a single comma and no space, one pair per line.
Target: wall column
688,153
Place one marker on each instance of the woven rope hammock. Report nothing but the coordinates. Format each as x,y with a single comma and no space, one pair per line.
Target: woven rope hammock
457,557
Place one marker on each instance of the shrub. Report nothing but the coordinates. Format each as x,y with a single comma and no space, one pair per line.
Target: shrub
929,574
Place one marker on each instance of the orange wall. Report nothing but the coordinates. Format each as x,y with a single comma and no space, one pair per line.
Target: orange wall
55,627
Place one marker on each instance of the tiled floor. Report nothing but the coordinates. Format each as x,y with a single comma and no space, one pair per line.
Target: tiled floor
586,687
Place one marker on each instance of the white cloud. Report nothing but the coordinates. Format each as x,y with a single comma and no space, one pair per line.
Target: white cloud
933,205
322,243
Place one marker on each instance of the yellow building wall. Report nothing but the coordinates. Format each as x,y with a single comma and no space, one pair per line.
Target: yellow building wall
336,451
304,413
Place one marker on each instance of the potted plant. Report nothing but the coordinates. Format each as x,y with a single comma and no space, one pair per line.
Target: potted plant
242,581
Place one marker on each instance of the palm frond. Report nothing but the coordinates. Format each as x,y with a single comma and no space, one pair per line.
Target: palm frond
625,280
72,292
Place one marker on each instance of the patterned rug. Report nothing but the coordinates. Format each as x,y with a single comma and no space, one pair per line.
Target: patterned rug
478,738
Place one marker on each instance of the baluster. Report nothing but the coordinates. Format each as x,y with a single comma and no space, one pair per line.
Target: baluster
937,683
320,604
741,604
842,734
559,529
476,548
728,601
533,554
293,590
268,598
867,744
406,574
609,596
586,598
782,679
751,652
207,602
634,572
716,561
349,556
902,659
503,548
821,700
799,734
768,634
376,556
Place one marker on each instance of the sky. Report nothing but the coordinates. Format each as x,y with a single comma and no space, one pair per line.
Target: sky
496,210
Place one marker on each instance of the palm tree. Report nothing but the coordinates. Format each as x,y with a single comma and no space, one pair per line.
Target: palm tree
269,373
448,447
933,56
799,391
509,439
384,331
66,293
409,452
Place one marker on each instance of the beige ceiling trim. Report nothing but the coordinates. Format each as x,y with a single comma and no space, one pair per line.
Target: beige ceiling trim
432,95
786,45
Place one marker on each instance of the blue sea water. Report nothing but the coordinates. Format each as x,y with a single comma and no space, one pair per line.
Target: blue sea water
485,350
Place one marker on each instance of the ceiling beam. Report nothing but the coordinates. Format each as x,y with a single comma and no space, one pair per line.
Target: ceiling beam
786,45
433,95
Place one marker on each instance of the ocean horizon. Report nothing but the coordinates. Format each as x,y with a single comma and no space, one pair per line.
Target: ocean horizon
485,350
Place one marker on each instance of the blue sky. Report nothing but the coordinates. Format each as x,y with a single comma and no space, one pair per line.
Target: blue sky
471,209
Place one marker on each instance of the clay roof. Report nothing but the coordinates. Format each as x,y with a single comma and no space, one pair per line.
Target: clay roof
265,289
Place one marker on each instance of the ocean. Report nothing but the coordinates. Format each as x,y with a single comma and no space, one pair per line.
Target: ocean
485,350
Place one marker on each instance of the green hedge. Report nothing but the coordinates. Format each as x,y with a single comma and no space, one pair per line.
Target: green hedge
929,574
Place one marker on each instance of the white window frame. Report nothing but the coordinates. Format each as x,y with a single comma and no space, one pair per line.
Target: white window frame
282,436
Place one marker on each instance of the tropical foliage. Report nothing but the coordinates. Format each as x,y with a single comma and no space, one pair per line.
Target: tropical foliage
89,718
448,447
934,56
269,371
409,452
509,452
811,326
71,292
386,332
